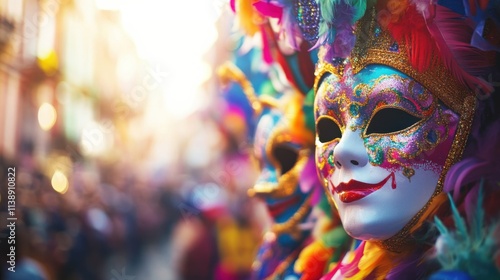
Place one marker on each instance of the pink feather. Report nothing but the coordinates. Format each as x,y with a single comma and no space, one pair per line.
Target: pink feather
309,181
232,3
452,34
268,9
350,269
266,47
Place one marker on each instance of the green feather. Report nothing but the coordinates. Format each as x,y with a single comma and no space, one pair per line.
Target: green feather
359,9
459,221
478,219
308,110
327,8
472,249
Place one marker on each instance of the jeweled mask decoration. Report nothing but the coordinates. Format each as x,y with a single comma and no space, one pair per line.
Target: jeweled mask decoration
307,15
386,134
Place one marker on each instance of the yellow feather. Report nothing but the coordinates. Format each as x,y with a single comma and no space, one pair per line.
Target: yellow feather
374,259
248,18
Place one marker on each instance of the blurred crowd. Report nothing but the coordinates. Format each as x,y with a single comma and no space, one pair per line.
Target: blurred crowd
122,171
113,223
128,158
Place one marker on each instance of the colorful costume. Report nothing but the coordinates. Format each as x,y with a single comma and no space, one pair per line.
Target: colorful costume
283,145
404,107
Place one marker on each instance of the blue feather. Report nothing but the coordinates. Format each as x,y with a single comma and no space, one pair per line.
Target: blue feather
477,220
471,250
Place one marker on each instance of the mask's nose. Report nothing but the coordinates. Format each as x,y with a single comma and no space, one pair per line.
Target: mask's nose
350,152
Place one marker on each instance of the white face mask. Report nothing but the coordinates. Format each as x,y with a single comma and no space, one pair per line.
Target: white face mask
382,142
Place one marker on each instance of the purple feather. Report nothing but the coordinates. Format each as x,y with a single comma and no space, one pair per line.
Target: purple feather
452,34
411,267
344,40
339,40
483,162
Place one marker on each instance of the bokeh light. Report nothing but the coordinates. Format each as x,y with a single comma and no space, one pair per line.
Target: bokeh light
59,182
47,116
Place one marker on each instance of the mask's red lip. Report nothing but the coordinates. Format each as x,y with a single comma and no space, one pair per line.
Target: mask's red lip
355,190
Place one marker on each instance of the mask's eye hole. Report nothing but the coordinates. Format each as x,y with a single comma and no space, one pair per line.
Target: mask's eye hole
327,130
286,157
390,120
323,77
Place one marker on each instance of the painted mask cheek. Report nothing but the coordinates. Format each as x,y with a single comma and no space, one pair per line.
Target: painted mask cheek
438,138
325,160
425,145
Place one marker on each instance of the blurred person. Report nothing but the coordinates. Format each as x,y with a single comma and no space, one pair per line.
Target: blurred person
27,250
26,267
238,236
195,243
168,202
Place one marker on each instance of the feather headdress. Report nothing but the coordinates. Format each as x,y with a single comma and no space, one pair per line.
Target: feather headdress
433,34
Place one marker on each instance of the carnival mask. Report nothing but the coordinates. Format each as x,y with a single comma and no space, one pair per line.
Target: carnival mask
283,143
282,150
382,142
386,133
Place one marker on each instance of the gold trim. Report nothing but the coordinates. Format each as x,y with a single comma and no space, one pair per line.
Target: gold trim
287,183
322,68
278,136
375,50
437,78
228,72
269,102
